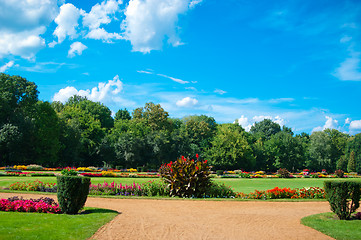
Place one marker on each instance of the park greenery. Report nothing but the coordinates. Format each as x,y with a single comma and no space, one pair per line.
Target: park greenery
81,132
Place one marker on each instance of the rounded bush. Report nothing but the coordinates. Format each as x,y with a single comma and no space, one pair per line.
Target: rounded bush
72,193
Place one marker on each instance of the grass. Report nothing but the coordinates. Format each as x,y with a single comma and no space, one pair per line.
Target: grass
15,225
244,185
329,224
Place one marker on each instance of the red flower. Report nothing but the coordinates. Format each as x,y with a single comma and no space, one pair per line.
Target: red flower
197,156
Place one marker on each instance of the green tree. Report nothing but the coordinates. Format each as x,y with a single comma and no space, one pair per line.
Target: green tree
153,115
338,146
265,129
354,145
351,165
122,114
320,151
230,148
10,137
47,134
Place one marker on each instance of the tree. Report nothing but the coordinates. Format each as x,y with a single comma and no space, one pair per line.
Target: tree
338,146
320,151
122,114
18,97
285,151
10,137
153,115
230,148
265,129
351,165
354,145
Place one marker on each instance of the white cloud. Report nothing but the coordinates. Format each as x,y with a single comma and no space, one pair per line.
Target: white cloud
243,121
149,22
330,123
101,14
355,125
347,121
349,70
219,91
22,23
174,79
247,124
67,21
281,100
187,102
105,92
146,72
101,34
76,48
194,3
345,39
6,66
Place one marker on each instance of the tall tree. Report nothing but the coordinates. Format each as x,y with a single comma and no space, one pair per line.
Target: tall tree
265,129
230,148
320,151
153,115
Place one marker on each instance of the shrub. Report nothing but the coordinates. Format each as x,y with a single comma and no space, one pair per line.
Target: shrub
108,174
219,172
216,190
140,169
186,178
245,175
115,189
339,194
72,193
280,193
283,173
34,186
155,188
34,167
69,172
339,173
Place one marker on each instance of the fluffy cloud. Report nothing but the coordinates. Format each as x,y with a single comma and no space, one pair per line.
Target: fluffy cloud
67,21
76,48
330,123
105,92
355,125
148,22
187,102
247,124
22,23
101,14
6,66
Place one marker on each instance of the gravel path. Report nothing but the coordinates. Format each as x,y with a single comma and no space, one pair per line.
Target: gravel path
186,219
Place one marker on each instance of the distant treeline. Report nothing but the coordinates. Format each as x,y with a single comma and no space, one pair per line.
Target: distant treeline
83,133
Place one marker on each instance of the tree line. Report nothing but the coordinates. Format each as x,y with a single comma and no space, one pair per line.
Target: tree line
84,133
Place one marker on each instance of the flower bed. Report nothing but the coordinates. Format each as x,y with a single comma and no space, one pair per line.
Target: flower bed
41,205
34,186
278,193
116,189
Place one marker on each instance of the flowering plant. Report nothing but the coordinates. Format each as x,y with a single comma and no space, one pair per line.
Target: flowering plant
42,205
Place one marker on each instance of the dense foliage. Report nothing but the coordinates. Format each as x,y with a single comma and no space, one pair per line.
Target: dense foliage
344,197
186,178
81,132
72,193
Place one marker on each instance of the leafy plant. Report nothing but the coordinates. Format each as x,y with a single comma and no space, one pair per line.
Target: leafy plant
72,193
69,172
339,194
155,188
216,190
339,173
283,173
185,177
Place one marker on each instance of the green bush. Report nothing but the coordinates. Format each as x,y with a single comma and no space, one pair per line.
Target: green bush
72,193
140,169
339,194
219,172
69,172
185,177
245,175
216,190
283,173
155,188
339,173
34,167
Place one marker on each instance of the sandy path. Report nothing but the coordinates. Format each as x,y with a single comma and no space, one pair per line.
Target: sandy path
185,219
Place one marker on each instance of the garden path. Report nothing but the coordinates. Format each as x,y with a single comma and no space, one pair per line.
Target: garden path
199,219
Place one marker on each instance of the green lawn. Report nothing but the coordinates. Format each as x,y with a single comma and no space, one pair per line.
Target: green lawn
245,185
15,225
329,225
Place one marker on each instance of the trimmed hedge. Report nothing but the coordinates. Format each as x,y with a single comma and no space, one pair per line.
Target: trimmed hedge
72,193
340,193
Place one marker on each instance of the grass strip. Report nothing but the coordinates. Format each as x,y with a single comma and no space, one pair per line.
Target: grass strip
17,225
329,224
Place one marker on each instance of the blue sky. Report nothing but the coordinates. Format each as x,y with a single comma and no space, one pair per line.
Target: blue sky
295,62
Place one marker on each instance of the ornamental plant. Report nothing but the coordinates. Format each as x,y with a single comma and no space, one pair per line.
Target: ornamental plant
343,196
72,193
41,205
283,173
185,177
